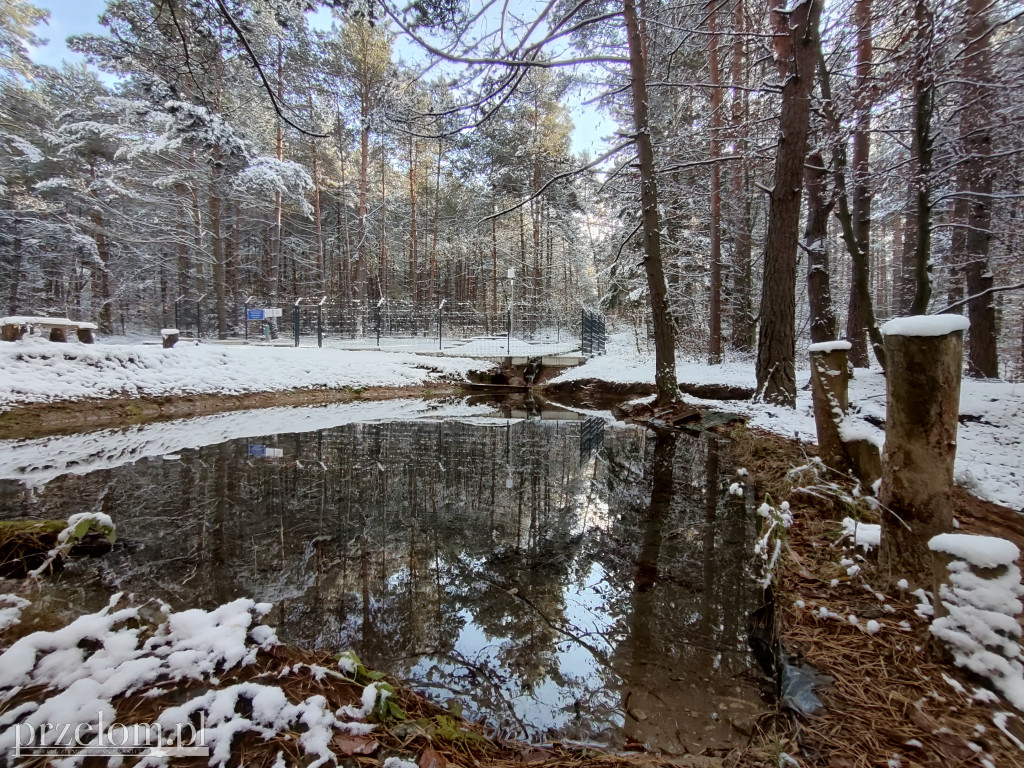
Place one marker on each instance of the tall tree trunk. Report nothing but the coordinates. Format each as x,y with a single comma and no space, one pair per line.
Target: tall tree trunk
277,246
12,296
819,292
364,168
742,310
321,264
413,234
921,153
860,282
796,45
976,181
715,318
664,331
217,252
857,320
437,226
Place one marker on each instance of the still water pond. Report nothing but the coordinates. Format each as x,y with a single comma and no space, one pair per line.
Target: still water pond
563,577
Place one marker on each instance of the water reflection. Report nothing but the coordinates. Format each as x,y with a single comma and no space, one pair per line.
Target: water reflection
563,579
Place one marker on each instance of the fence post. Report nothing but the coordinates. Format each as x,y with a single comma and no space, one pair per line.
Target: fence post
377,316
199,319
320,324
295,322
440,310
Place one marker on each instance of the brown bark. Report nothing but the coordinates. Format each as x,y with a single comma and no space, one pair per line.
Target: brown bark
921,152
715,318
364,170
819,292
796,43
664,331
860,279
922,406
437,226
857,317
318,223
217,251
413,234
742,310
830,393
976,137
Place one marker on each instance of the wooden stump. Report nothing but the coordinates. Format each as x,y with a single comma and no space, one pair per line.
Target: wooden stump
85,335
58,333
11,332
170,339
924,359
830,379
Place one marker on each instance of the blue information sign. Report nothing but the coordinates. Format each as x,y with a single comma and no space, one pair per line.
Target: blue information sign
254,314
257,450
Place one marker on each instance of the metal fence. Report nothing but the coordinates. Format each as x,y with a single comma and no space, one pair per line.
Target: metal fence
451,328
592,333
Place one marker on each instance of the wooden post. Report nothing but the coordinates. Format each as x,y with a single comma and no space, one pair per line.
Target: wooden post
58,333
924,357
170,336
830,379
11,332
85,335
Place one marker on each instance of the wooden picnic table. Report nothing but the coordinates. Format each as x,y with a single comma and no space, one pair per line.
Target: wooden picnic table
14,327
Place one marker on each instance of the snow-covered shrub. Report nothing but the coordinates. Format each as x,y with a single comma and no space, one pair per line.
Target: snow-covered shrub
982,601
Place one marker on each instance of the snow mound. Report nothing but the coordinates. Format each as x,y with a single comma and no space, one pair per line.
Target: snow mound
865,535
11,607
980,626
84,667
979,551
925,325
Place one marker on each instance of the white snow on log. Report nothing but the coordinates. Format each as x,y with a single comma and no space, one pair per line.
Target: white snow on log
980,551
830,346
925,325
980,626
165,332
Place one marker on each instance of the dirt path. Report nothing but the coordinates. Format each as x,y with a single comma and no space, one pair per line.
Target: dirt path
41,419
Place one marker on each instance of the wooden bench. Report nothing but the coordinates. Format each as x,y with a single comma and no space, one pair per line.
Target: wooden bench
55,328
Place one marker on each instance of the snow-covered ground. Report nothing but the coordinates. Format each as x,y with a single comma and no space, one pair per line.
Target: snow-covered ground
990,443
40,371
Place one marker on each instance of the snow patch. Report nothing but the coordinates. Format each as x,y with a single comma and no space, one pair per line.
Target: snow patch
979,551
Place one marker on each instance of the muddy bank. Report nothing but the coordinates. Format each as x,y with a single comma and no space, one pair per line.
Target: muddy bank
41,419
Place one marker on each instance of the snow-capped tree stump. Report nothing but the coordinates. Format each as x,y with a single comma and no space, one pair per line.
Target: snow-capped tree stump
170,336
840,450
924,357
830,378
11,331
58,333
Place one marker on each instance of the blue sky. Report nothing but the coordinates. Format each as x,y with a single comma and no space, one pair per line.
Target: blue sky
70,17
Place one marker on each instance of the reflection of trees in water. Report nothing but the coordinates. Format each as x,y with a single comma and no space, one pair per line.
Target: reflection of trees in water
681,559
448,548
